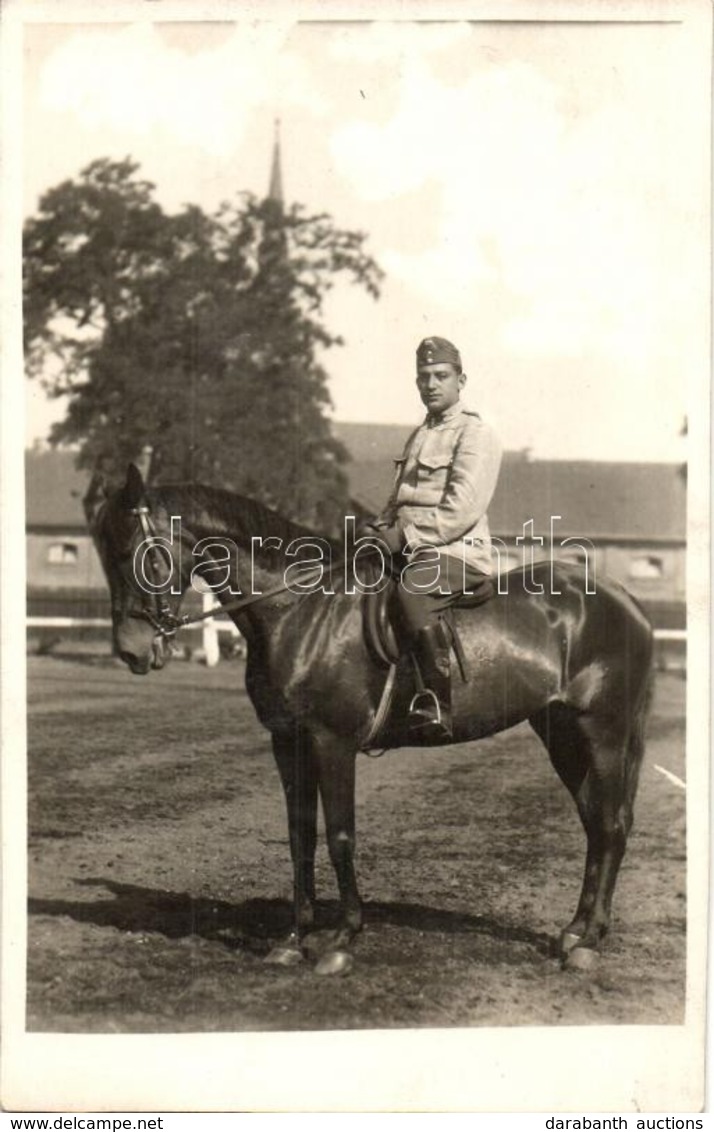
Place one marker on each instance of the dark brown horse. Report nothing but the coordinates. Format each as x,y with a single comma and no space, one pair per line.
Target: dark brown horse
576,665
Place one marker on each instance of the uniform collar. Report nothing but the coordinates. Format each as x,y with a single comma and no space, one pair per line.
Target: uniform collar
433,419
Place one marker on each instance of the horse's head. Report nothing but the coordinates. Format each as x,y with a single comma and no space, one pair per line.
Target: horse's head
132,538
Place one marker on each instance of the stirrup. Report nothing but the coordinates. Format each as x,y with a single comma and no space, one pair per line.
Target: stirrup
426,719
430,713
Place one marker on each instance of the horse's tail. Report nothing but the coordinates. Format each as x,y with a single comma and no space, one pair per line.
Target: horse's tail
638,734
646,658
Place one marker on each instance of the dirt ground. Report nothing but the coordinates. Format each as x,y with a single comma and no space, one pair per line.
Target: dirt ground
159,871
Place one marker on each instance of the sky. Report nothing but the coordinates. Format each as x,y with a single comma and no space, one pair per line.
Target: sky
532,192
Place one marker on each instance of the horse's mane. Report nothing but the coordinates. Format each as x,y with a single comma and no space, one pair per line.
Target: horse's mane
219,512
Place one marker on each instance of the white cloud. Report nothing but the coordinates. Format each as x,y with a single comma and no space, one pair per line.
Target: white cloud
571,213
131,79
472,136
385,41
539,212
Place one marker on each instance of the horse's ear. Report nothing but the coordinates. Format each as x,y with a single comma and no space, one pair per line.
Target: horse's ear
94,497
134,487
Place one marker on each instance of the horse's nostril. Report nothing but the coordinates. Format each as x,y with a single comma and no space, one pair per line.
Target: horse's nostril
127,657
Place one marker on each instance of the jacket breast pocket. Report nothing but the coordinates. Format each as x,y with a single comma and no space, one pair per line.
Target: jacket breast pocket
433,471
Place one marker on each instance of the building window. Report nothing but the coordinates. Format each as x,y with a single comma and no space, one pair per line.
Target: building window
646,566
63,554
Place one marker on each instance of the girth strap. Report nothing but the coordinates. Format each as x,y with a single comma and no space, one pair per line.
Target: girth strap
382,712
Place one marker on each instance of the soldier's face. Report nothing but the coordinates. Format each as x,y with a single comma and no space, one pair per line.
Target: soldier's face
439,385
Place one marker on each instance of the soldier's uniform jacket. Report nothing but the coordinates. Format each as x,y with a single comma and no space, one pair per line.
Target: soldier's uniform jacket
443,485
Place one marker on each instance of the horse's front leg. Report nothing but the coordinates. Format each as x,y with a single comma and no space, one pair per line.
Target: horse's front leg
335,761
296,766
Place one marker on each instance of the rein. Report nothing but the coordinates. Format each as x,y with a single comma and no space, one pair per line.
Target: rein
163,619
238,603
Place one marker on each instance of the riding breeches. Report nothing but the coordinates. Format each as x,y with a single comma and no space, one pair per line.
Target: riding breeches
432,581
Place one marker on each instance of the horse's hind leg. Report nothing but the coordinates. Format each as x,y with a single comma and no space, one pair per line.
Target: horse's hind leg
558,727
606,804
293,755
599,764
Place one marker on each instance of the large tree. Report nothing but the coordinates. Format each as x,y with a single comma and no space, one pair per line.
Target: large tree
197,334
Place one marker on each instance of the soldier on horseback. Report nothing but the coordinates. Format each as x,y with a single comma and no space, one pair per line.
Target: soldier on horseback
580,672
436,527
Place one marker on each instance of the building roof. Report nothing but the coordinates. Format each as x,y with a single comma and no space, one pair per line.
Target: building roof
607,501
54,488
595,499
598,500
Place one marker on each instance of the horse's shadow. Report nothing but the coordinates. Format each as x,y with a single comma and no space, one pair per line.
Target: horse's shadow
254,925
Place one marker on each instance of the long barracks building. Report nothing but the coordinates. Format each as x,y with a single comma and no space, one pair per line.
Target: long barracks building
630,517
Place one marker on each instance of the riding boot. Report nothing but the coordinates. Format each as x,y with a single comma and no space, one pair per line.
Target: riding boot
430,709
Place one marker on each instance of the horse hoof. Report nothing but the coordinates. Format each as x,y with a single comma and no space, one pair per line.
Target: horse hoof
316,944
568,940
581,959
284,956
335,963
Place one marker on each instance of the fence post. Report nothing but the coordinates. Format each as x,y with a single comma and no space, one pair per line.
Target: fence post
210,632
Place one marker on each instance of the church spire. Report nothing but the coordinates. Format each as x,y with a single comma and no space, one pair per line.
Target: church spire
275,191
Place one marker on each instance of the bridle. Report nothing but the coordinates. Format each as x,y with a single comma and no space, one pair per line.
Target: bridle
160,616
166,623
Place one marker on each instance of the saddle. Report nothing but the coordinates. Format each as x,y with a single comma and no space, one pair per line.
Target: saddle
380,628
380,621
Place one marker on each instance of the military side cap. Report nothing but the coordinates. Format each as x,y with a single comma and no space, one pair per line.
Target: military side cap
434,350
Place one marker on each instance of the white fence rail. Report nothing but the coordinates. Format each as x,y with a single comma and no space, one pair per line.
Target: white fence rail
229,627
212,627
68,623
103,623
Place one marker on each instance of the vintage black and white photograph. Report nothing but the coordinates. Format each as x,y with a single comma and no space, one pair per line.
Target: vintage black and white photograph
364,683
